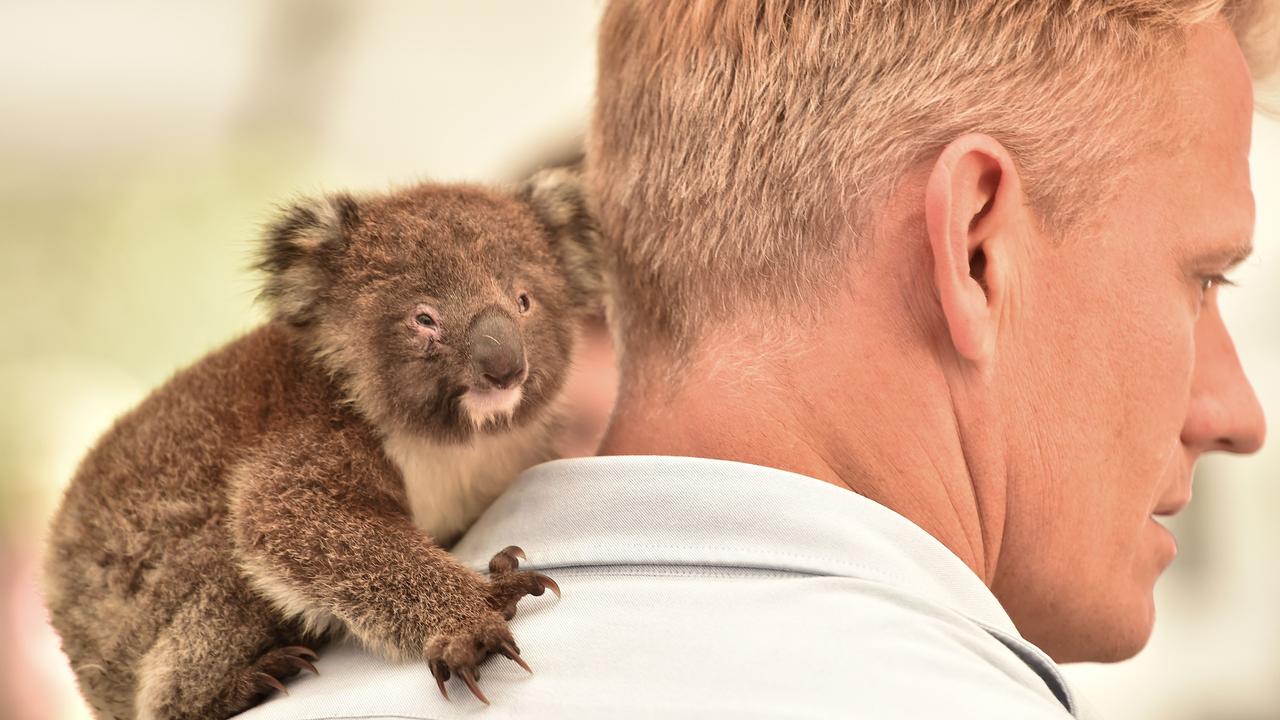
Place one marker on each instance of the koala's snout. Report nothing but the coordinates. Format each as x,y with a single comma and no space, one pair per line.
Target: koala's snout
497,352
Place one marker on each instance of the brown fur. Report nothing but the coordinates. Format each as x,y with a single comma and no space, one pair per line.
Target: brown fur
249,503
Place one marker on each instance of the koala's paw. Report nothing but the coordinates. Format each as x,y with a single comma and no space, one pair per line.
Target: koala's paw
459,651
507,585
273,666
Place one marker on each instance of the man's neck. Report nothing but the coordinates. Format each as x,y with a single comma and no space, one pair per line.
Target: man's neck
900,446
700,422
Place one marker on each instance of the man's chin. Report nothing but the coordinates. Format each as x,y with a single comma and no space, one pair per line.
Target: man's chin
1116,633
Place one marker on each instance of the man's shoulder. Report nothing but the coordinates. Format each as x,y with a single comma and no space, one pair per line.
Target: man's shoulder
820,646
780,597
708,642
912,656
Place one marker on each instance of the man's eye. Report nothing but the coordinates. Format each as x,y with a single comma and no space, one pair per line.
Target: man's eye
1209,282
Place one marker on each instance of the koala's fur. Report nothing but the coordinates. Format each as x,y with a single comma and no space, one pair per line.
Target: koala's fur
302,480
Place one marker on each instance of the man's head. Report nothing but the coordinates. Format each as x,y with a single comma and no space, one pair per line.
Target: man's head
993,232
1108,368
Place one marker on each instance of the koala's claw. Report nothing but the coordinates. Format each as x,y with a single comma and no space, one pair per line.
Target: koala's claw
275,665
470,679
507,559
548,584
512,652
300,651
440,672
267,681
304,664
300,656
507,584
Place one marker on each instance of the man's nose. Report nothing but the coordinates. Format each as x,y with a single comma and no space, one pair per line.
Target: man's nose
1224,414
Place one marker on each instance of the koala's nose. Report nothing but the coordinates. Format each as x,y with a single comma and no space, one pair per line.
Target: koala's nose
497,353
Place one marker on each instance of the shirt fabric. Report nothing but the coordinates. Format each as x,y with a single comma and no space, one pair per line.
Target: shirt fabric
704,589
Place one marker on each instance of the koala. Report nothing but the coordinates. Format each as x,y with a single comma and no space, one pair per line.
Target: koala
303,481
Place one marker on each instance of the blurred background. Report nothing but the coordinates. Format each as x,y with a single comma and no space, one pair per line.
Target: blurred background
142,145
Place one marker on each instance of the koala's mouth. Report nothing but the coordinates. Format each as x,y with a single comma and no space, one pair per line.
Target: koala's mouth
492,403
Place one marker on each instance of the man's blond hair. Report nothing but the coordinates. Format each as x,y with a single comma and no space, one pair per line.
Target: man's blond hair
737,146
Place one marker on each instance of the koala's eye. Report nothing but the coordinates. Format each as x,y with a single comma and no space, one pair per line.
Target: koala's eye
523,302
425,320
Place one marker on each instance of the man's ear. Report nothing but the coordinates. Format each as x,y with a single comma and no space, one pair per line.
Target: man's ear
560,202
974,211
297,253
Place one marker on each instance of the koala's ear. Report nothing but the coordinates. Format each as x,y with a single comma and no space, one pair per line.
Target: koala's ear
560,203
297,254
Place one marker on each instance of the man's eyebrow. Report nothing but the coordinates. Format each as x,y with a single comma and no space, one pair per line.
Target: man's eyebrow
1229,255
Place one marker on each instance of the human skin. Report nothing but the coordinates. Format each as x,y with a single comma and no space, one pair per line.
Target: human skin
1032,402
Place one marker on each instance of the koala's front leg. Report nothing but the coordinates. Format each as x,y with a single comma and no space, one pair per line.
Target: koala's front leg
330,538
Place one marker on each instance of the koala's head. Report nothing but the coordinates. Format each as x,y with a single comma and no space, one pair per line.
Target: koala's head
443,309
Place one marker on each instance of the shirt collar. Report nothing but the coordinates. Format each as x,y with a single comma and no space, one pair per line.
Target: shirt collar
672,511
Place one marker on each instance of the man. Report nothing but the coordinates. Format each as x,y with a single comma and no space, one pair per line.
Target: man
917,309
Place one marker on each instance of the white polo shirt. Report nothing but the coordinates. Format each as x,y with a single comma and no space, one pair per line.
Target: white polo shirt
699,588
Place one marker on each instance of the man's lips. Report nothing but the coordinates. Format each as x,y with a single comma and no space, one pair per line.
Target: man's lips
1171,504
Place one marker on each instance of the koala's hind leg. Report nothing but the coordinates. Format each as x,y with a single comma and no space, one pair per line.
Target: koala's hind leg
217,659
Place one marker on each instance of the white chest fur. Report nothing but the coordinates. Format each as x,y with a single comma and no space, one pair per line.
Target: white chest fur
448,486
